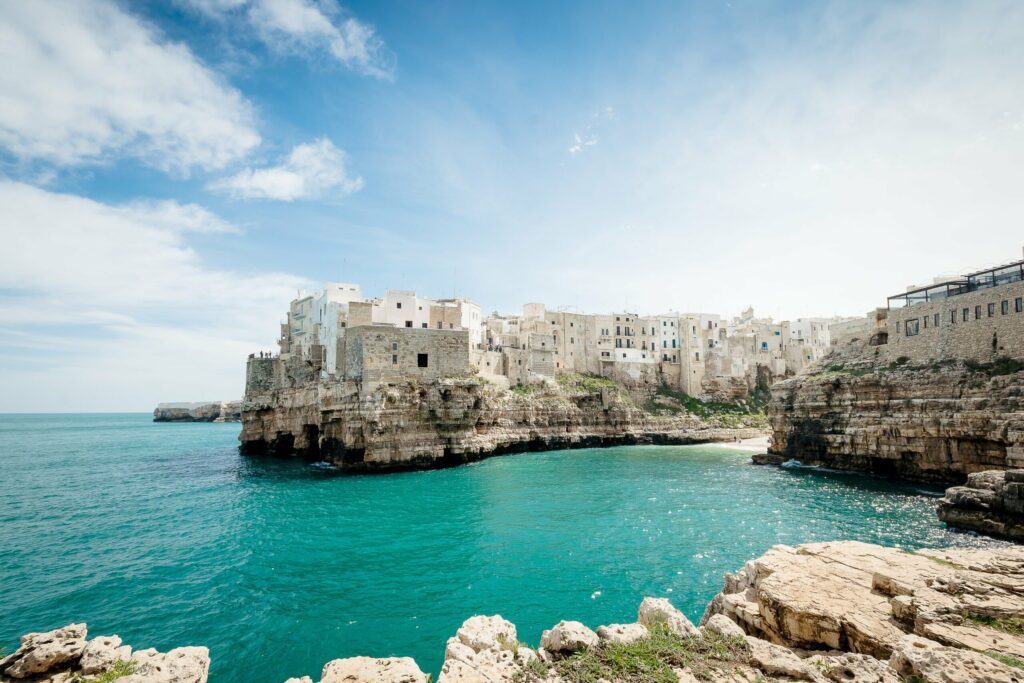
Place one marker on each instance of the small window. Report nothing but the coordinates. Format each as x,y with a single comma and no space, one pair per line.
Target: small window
966,314
408,323
897,327
424,326
991,310
398,305
977,312
394,346
936,319
394,359
421,360
952,317
440,325
913,327
1005,307
926,322
1018,305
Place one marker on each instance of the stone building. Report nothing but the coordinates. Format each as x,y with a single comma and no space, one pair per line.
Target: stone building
977,317
384,353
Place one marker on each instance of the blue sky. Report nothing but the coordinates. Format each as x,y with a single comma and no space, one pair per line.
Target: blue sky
171,172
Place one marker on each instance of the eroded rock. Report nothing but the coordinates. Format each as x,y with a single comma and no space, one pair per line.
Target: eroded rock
44,652
568,636
371,670
660,611
623,633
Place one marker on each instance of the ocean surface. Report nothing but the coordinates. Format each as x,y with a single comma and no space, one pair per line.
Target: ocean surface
165,535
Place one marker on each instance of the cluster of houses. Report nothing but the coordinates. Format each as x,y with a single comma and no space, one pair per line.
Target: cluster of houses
338,334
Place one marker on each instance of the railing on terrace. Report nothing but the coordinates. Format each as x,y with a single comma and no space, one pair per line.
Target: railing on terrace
983,279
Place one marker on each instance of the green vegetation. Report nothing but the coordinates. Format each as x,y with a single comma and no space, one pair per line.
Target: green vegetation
1012,625
944,563
1006,659
525,389
652,659
668,401
120,668
510,645
535,670
584,382
1000,366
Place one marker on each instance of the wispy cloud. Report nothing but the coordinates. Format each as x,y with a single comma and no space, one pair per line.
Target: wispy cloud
84,80
588,137
311,171
308,26
123,296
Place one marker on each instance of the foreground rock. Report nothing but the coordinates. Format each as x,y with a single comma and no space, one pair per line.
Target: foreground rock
65,655
991,502
215,411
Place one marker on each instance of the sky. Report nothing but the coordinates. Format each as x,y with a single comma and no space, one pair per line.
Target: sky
172,173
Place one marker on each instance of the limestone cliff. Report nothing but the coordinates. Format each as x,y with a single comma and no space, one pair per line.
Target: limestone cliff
935,422
991,503
450,421
213,411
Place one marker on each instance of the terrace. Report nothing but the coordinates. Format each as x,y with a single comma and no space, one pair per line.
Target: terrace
982,279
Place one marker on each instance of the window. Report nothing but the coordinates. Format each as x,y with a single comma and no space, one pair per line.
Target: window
897,327
697,354
1005,307
764,346
408,323
977,312
398,305
913,327
1018,305
424,326
966,314
394,359
394,346
664,344
926,322
936,317
440,325
673,343
421,360
952,317
991,310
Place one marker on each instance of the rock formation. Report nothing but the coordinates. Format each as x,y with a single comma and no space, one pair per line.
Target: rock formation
937,422
821,612
214,411
991,502
451,421
65,655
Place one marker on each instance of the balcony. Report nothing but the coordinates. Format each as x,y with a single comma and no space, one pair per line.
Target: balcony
984,279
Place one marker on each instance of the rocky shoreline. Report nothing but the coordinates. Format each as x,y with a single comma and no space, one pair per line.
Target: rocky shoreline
406,425
213,411
990,503
841,611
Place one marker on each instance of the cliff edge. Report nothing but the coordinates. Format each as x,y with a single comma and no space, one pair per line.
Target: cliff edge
212,411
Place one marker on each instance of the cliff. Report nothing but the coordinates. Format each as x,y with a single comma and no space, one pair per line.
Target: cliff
214,411
818,612
929,422
398,425
990,502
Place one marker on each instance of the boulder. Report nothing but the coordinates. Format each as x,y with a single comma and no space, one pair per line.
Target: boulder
775,660
660,611
102,653
568,636
43,652
370,670
304,679
623,633
180,665
927,661
484,650
853,668
724,626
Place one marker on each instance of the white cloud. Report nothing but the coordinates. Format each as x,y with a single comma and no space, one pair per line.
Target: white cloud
83,80
308,26
107,307
310,171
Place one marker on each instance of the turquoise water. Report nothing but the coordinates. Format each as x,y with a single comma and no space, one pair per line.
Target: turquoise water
163,534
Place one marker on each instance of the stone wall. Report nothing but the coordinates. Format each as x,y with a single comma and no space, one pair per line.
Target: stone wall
942,332
385,353
261,374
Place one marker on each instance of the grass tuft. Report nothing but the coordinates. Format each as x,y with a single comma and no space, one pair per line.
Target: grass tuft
748,413
652,659
1012,625
1008,660
120,668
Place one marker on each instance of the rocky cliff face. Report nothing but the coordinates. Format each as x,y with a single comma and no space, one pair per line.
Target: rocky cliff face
990,502
938,422
451,421
216,411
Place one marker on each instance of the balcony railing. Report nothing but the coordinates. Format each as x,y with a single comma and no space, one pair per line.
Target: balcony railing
984,279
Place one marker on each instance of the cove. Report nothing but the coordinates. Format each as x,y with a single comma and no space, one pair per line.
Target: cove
165,535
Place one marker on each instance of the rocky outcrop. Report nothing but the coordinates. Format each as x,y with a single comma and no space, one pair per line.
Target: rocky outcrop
991,502
451,421
965,604
938,422
65,655
215,411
